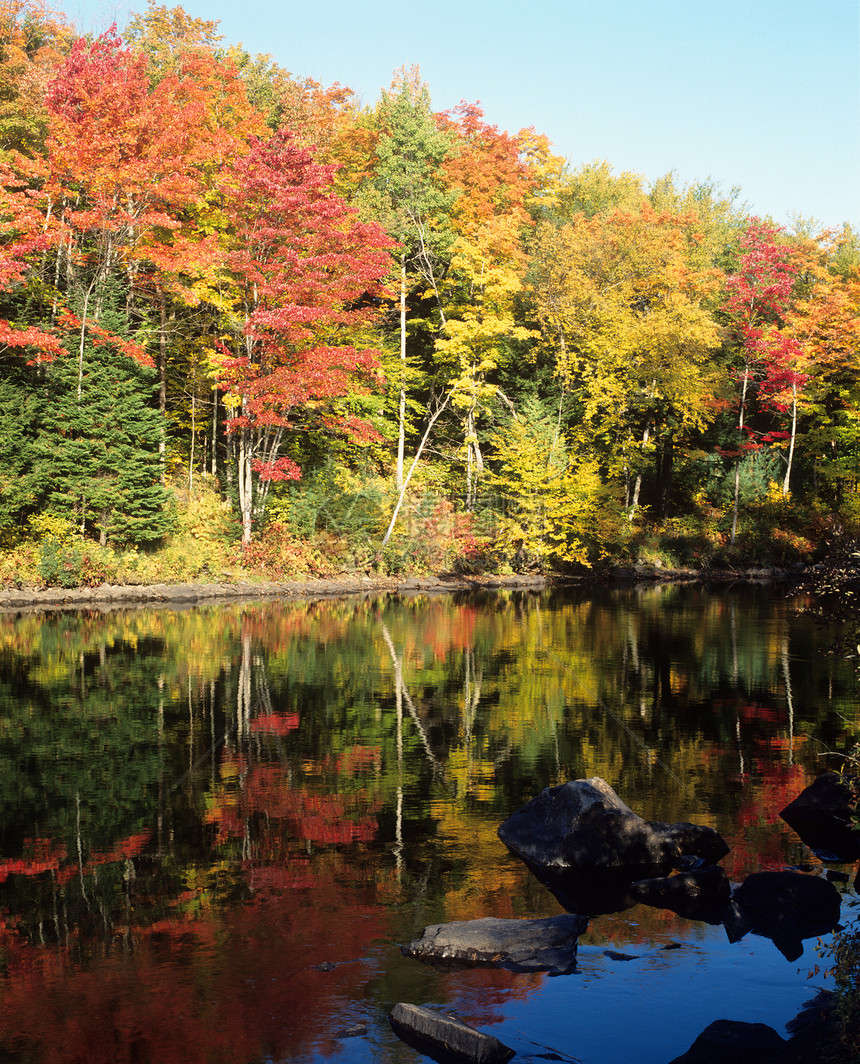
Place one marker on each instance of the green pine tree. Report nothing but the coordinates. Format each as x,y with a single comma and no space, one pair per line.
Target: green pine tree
21,486
98,447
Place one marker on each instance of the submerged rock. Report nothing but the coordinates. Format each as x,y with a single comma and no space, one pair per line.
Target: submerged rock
699,895
785,907
520,945
586,893
732,1042
821,816
584,826
445,1038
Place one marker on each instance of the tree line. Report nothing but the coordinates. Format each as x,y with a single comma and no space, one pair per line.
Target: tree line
390,324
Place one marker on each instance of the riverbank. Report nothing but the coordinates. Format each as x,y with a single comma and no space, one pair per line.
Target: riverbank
115,596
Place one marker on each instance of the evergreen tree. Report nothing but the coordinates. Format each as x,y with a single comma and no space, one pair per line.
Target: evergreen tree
20,484
98,447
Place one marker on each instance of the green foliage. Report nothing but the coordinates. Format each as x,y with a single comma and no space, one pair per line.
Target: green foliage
331,498
21,489
845,1037
81,564
98,451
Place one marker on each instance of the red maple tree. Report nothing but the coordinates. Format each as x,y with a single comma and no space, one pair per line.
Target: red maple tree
304,274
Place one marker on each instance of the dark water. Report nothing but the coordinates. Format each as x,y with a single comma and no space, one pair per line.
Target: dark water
217,826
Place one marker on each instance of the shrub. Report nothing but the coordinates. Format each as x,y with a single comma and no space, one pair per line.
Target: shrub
279,555
78,564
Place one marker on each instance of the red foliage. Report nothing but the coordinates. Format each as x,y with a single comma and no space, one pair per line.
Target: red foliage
304,265
275,723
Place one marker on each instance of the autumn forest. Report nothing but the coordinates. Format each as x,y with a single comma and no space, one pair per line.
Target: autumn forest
251,324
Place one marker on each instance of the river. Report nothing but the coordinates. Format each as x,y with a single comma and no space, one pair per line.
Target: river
220,824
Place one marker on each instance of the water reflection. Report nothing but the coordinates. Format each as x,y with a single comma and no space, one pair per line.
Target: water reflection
217,825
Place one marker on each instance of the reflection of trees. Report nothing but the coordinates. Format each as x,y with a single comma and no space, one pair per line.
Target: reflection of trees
164,774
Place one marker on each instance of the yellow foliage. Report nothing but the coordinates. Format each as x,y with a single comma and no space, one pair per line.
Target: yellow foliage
551,503
627,314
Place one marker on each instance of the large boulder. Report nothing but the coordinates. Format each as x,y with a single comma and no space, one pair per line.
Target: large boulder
786,907
732,1042
584,826
520,945
821,816
445,1038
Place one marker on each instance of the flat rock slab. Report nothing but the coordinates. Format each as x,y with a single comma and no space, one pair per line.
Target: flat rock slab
519,945
445,1038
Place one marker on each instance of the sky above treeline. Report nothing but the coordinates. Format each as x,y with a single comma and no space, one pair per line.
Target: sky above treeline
763,95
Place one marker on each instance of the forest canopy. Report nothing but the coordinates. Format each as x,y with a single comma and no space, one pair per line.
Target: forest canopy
247,321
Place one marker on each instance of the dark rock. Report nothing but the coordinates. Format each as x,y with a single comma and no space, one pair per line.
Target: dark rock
836,876
586,893
520,945
613,955
783,906
584,826
821,816
700,895
810,1031
817,1008
694,840
355,1030
732,1042
445,1038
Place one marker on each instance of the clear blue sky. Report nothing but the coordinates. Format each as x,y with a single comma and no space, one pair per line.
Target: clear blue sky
760,94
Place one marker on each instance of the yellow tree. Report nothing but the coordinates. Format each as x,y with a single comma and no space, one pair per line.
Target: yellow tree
827,324
628,320
552,501
493,186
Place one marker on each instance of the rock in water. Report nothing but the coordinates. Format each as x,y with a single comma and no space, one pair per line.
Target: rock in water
821,816
700,895
584,826
446,1038
520,945
786,907
732,1042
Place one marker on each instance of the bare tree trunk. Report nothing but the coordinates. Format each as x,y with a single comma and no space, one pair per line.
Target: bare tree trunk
214,469
738,461
245,484
637,484
474,460
402,494
401,413
162,384
785,483
193,441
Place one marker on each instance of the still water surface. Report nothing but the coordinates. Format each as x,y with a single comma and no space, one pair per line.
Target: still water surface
218,825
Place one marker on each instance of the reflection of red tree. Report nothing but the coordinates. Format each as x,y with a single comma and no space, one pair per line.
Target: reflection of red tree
324,819
209,989
275,723
43,855
359,759
39,856
760,840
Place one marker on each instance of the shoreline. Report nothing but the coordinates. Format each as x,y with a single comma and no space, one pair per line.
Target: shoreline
189,594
